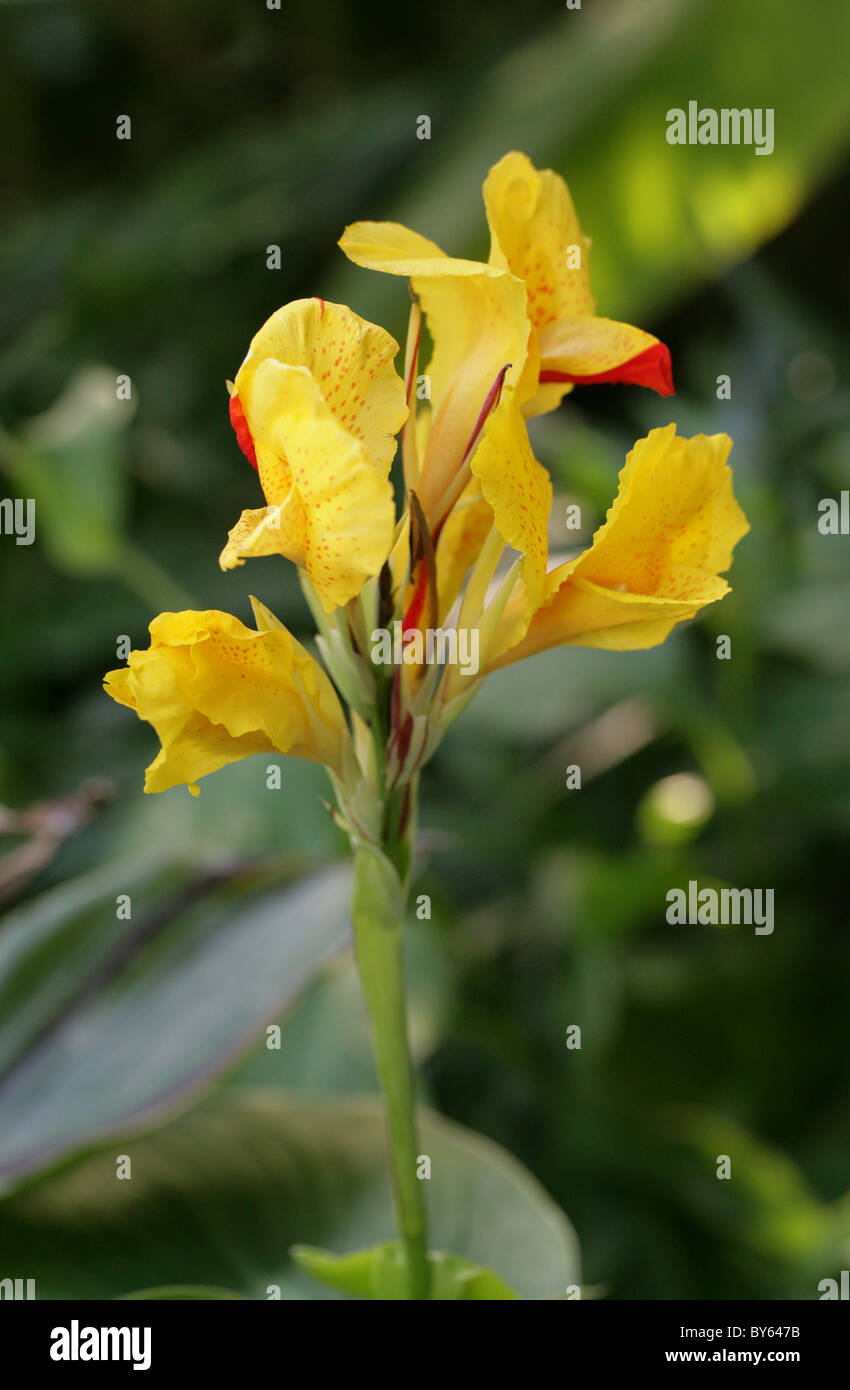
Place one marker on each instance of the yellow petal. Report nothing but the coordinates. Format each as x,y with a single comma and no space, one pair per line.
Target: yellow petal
675,517
589,615
351,361
264,618
478,324
266,531
518,490
461,538
117,684
591,350
396,250
535,233
200,748
532,224
156,683
216,691
656,560
319,405
338,516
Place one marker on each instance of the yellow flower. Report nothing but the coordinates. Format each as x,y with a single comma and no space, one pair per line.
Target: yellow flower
528,309
316,406
478,323
535,233
510,339
656,560
216,691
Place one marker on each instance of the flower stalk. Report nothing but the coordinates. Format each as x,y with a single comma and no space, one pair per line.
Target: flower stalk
380,896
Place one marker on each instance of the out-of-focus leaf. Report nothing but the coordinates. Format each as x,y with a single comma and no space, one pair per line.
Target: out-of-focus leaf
539,698
71,461
219,1197
236,810
590,95
107,1022
327,1046
812,623
785,1222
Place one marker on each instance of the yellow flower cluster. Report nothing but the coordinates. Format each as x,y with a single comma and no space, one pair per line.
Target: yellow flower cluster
317,405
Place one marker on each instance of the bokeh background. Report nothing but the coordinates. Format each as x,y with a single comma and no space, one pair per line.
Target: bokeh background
253,127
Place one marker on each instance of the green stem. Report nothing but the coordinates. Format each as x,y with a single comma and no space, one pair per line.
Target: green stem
378,910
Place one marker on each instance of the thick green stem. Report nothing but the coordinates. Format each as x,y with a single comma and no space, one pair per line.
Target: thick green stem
379,903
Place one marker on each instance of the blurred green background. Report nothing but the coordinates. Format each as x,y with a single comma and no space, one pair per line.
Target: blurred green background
253,127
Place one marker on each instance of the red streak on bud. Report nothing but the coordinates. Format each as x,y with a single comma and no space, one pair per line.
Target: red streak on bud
395,701
405,811
410,621
321,303
652,368
402,747
494,395
243,434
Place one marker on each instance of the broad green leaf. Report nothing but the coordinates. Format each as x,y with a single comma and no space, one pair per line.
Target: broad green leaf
219,1197
328,1046
107,1021
381,1273
235,811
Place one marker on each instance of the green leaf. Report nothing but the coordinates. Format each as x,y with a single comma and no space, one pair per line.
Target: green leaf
107,1022
220,1196
293,816
381,1273
328,1044
72,462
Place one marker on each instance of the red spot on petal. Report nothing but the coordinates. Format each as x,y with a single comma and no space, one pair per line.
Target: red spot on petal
243,434
652,368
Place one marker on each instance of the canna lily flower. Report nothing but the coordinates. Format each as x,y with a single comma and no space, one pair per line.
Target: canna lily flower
316,406
511,338
480,330
535,233
216,691
655,562
528,313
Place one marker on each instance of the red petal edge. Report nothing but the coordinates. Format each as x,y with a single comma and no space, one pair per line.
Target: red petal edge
243,434
652,368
